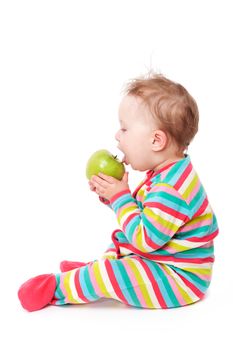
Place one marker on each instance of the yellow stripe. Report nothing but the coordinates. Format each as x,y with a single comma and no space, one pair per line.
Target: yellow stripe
184,294
99,279
67,288
139,240
176,246
200,218
141,193
141,283
126,211
198,270
190,187
166,224
162,184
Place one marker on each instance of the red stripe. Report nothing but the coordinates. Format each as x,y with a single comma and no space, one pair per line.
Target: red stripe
114,282
79,288
149,242
205,238
170,258
192,287
149,175
118,195
183,177
154,283
129,218
202,208
167,210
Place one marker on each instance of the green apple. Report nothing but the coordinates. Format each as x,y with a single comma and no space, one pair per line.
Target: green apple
103,161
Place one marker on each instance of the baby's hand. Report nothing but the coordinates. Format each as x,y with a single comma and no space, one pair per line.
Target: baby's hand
93,189
107,186
91,186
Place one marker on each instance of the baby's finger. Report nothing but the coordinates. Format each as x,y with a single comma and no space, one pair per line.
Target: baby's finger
98,181
107,178
92,187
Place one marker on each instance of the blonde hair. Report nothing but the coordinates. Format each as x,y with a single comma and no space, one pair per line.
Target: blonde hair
170,104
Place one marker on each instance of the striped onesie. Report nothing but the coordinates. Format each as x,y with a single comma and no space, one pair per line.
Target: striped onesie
162,254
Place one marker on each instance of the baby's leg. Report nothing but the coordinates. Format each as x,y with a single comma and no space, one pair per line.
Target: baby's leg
128,280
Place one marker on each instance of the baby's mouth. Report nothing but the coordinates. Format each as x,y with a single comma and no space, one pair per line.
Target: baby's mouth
124,160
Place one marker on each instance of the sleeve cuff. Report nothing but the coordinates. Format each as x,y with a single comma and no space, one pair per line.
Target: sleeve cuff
104,200
118,195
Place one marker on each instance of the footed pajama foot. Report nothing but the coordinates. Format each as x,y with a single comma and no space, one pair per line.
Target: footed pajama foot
70,265
37,292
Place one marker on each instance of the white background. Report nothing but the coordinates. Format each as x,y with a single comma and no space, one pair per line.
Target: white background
63,65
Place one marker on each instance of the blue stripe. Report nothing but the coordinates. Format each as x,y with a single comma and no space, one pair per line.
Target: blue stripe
121,201
176,171
159,197
154,267
116,264
195,280
84,280
58,292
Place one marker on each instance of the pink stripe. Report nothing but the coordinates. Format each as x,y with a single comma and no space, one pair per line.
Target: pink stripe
203,277
188,228
62,286
164,174
194,192
127,206
165,230
118,195
93,280
183,176
174,287
134,283
140,198
147,239
171,250
169,190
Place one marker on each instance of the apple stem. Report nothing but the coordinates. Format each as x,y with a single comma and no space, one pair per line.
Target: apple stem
115,157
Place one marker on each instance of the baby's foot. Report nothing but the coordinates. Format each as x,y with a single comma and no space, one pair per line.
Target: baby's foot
37,292
70,265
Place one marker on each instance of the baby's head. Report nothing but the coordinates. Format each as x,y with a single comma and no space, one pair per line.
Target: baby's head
158,119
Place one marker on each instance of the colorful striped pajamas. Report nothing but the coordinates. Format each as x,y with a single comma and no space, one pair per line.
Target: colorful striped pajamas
162,254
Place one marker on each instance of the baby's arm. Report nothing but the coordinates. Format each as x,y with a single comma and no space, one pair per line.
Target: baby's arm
148,229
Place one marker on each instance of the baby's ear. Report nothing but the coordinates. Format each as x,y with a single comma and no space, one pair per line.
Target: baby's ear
159,140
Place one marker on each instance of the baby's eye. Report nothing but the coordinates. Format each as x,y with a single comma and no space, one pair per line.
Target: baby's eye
123,130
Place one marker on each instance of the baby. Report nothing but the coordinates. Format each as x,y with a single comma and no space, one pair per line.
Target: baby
162,254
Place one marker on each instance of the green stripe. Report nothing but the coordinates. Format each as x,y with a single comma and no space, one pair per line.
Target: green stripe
196,232
88,283
197,197
130,288
167,286
175,168
164,195
58,293
153,232
196,252
194,279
